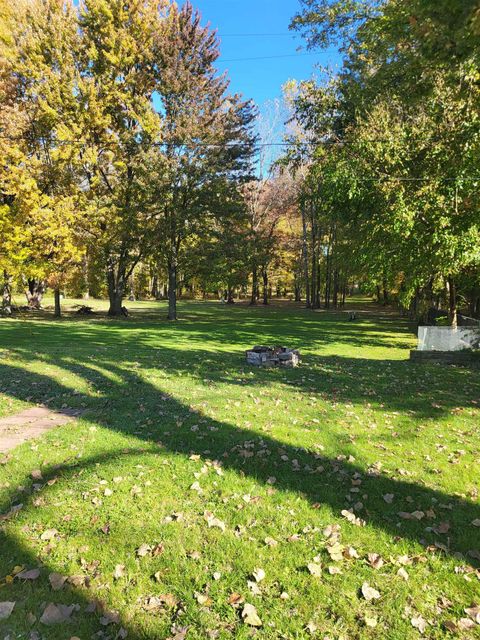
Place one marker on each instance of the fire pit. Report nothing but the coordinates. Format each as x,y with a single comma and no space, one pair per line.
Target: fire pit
261,356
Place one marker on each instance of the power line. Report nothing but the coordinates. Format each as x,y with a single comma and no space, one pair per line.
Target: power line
255,35
285,55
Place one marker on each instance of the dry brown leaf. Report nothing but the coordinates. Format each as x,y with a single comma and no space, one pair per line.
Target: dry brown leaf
57,581
56,613
235,599
473,612
28,574
375,560
465,624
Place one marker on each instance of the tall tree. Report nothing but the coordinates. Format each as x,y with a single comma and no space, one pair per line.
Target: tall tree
206,138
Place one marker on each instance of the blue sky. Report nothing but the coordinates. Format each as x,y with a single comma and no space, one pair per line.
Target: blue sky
260,80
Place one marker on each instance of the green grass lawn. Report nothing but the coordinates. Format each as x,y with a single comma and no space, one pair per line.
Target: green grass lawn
194,485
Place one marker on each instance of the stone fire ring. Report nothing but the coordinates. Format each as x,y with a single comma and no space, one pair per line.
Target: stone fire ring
261,356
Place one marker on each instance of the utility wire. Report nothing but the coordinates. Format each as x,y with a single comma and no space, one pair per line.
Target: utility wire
254,35
285,55
286,143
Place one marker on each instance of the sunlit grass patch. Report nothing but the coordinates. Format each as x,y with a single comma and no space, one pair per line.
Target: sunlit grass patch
189,471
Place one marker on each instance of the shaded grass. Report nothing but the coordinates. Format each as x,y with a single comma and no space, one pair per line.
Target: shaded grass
356,422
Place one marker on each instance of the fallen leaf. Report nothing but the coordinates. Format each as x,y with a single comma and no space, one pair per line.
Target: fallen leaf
419,622
235,599
57,581
203,599
49,534
143,550
473,612
212,521
465,624
375,560
119,571
333,571
250,615
370,620
6,609
29,574
258,574
403,574
315,569
56,613
335,551
109,617
369,593
388,497
270,542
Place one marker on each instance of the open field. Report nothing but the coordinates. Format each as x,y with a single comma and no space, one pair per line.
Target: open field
189,472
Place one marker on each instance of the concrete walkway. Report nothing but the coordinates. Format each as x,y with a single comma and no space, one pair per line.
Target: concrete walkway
32,423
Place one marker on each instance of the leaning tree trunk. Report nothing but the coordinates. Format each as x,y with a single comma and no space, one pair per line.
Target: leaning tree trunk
172,290
58,307
35,290
7,294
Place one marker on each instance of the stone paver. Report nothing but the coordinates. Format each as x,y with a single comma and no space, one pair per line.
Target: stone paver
31,423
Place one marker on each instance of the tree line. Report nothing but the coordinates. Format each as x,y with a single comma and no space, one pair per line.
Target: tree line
120,142
389,148
130,169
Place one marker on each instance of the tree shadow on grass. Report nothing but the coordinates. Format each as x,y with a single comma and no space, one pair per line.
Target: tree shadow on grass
316,478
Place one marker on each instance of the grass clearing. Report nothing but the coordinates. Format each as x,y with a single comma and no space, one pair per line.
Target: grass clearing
222,469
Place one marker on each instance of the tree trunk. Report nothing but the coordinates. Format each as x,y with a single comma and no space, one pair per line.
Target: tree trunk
58,307
335,288
7,294
172,290
36,289
154,289
230,299
385,292
305,256
116,290
452,295
328,277
265,286
253,299
86,283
